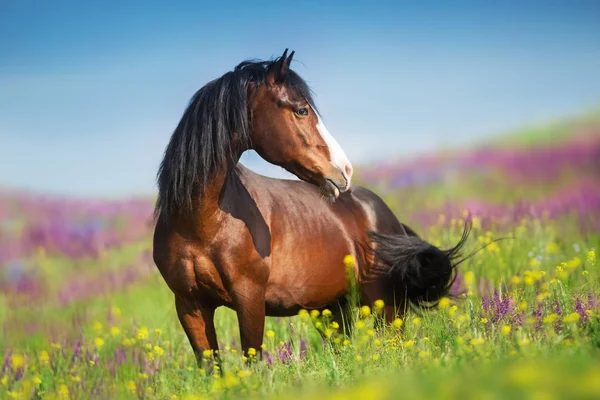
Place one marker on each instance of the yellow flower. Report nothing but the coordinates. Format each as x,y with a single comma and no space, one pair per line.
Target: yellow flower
44,357
515,280
251,351
326,313
550,318
346,342
365,311
207,353
523,341
469,278
159,351
4,380
173,397
573,263
397,323
573,317
142,375
452,310
360,324
158,332
270,334
131,386
116,311
444,303
63,390
484,321
408,344
76,378
349,261
335,325
528,280
358,358
463,318
17,361
477,341
552,248
562,274
314,314
506,329
375,357
370,332
423,354
114,331
416,321
37,380
379,304
142,333
493,248
540,297
99,342
523,306
591,257
97,326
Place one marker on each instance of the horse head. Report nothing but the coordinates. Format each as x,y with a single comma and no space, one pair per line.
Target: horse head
288,131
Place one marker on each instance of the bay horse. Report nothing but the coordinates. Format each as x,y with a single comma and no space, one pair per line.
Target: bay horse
226,236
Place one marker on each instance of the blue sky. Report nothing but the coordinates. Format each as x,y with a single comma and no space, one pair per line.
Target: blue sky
90,93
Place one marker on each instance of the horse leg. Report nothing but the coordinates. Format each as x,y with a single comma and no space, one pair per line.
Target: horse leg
250,309
198,323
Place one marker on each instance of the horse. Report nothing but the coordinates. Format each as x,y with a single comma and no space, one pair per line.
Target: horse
227,236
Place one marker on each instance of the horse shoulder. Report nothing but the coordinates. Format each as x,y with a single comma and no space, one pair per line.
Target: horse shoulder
187,267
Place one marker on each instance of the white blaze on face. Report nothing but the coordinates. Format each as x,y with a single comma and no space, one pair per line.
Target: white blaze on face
338,157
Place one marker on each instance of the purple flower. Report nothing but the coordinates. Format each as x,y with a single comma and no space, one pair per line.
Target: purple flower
268,358
6,364
580,309
497,307
302,349
284,353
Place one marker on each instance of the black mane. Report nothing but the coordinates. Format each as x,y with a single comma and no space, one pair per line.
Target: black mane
212,133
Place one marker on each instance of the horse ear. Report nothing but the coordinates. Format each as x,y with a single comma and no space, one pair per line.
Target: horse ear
289,60
279,69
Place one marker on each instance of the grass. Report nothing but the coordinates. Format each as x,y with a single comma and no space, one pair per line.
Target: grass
139,350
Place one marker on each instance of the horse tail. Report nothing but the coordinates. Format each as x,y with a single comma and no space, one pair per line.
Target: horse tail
418,272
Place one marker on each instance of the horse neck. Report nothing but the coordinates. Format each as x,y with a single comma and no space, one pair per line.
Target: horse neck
207,212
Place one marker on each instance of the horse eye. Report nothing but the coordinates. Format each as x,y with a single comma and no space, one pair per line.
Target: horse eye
303,112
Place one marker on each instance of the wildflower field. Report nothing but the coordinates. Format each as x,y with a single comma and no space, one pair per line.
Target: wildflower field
85,314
